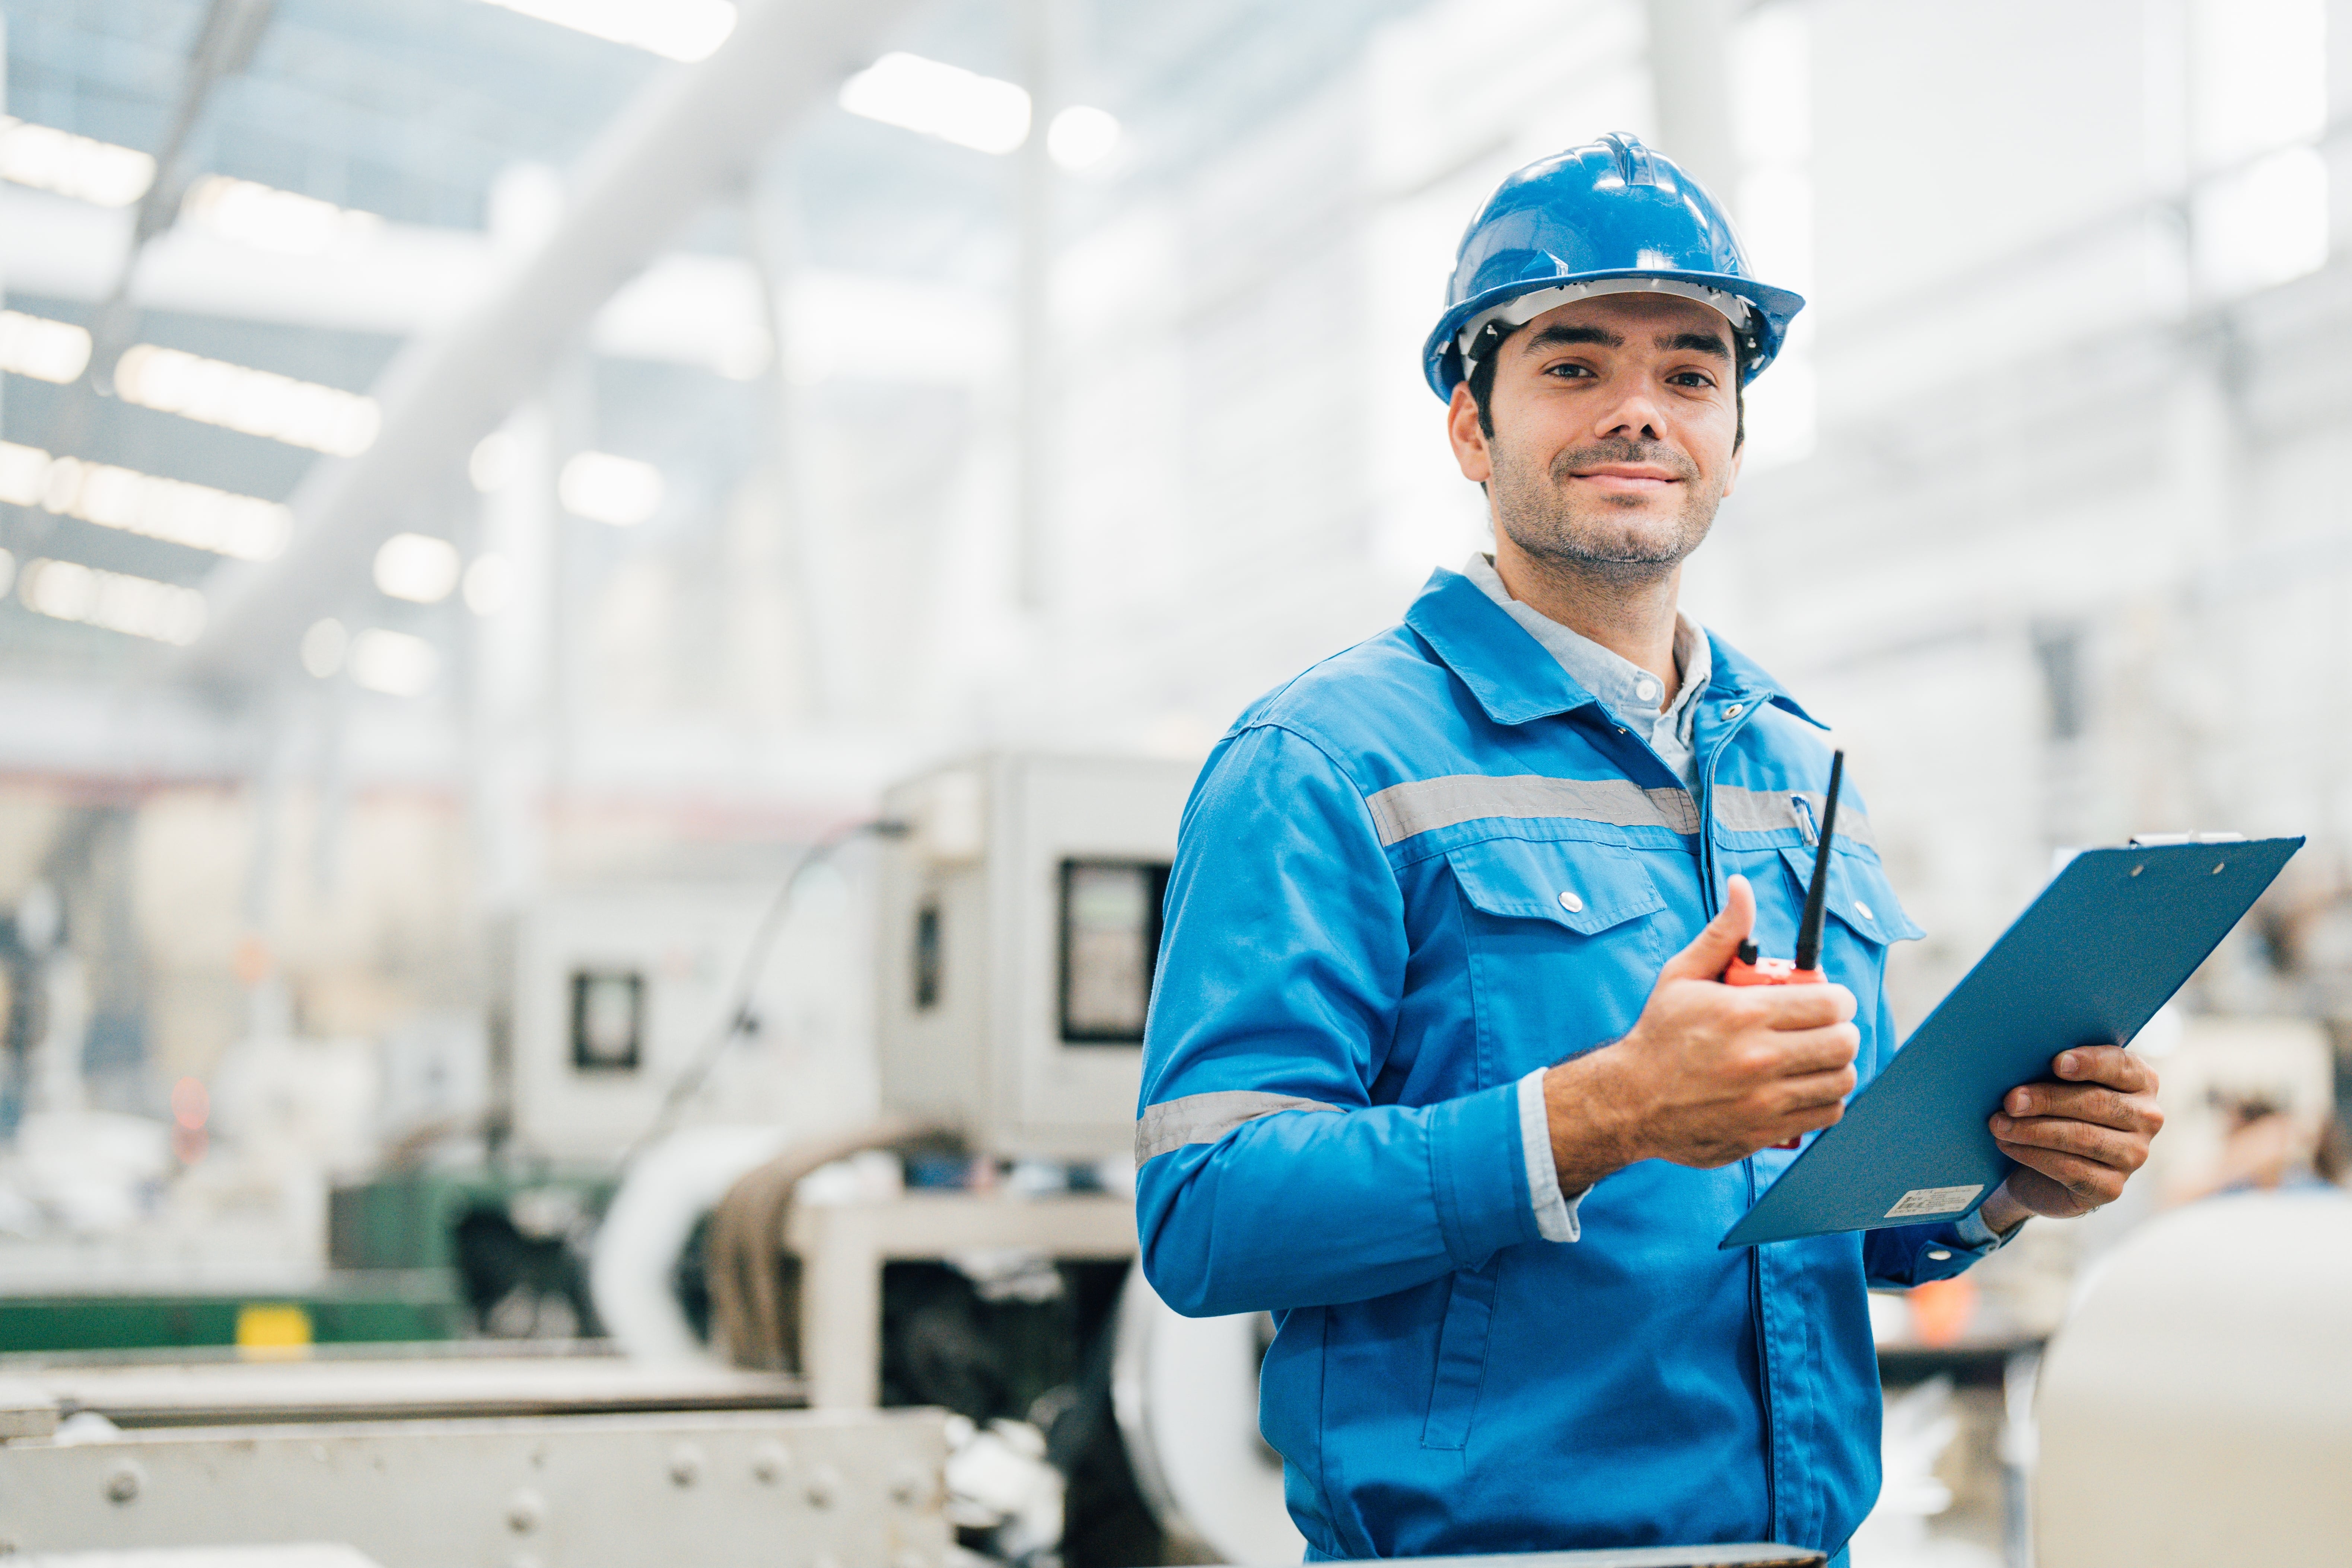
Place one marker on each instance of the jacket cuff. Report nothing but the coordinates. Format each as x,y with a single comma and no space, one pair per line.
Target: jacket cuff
1981,1238
1949,1248
1478,1173
1555,1213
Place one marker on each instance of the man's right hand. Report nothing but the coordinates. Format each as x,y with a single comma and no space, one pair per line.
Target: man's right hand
1711,1072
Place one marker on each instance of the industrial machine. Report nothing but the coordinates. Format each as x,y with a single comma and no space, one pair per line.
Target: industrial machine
413,1480
1006,946
620,1003
2196,1405
616,993
1019,924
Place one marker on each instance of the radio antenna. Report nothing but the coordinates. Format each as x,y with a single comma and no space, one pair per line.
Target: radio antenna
1808,930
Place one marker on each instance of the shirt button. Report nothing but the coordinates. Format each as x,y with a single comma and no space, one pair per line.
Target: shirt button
1863,910
1647,690
1939,1255
1571,902
1735,711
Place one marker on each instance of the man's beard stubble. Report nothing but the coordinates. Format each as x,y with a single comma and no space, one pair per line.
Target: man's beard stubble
1596,540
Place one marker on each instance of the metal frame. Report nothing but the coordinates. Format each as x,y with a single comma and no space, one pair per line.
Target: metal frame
716,1490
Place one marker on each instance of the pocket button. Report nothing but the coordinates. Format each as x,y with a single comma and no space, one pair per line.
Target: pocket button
1863,910
1571,902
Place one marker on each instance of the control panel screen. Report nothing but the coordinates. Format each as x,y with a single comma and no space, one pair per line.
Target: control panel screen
608,1019
1111,947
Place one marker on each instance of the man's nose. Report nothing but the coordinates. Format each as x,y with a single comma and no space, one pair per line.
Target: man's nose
1633,415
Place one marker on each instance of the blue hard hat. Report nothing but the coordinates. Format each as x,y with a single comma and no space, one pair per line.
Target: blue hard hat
1611,217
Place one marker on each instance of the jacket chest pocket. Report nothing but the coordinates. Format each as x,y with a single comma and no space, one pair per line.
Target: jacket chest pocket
1565,940
1865,919
1857,894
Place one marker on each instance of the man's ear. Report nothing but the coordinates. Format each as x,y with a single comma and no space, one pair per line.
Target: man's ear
1470,452
1731,471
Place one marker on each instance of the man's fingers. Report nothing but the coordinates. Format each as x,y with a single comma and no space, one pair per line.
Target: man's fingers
2086,1102
1800,1006
1811,1090
1808,1105
2110,1065
1798,1053
2092,1182
2122,1151
1710,952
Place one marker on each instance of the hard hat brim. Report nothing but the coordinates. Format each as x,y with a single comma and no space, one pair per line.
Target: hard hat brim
1774,309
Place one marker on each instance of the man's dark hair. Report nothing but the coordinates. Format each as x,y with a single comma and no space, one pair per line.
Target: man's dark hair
1482,380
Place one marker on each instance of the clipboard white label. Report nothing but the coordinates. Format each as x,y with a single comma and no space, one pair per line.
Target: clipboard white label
1933,1200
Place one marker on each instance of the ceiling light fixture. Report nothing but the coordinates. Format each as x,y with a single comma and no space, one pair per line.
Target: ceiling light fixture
393,663
1081,137
268,219
116,601
495,460
417,567
257,401
58,161
490,584
42,349
681,31
324,646
602,488
941,99
173,511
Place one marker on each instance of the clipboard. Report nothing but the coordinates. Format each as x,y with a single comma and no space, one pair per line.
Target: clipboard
2109,940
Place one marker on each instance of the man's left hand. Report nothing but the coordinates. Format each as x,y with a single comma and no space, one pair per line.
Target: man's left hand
2077,1140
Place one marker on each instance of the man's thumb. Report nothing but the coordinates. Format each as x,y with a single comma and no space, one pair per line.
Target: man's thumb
1711,950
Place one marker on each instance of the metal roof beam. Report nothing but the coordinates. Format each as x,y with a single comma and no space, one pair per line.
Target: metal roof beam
686,138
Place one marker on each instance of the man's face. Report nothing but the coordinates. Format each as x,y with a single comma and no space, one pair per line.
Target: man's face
1616,434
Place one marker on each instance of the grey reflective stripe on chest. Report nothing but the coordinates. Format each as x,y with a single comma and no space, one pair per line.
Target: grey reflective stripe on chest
1402,810
1774,810
1205,1118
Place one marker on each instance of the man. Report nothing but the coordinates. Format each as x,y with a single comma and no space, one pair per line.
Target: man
1440,1068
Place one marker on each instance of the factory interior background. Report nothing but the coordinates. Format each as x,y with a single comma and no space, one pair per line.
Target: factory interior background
495,493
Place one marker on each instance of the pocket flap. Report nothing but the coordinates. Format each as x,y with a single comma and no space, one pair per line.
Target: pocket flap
1582,886
1859,894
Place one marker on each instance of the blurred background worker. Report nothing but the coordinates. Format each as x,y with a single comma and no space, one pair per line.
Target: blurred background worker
2266,1148
1416,1079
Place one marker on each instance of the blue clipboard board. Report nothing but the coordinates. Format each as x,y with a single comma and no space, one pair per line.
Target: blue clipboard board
2109,940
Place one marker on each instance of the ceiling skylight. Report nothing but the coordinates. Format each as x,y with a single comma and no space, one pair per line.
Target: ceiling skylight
684,30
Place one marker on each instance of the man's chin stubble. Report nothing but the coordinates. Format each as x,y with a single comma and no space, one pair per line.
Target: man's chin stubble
1623,563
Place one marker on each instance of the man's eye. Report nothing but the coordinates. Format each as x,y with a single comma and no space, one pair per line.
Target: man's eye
1692,378
1568,369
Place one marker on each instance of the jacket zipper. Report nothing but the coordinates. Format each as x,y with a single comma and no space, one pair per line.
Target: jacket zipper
1764,1373
1755,1254
1707,900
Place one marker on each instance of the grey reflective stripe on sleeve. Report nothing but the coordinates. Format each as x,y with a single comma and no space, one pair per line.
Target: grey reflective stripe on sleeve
1770,811
1402,810
1205,1118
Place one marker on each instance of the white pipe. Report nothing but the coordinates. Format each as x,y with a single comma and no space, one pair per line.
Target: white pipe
680,143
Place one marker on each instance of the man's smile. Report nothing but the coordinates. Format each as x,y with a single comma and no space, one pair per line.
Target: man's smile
1627,478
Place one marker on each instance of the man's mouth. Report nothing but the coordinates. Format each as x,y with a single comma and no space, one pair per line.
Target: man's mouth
1630,479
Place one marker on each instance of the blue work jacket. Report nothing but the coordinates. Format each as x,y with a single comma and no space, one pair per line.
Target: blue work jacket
1426,867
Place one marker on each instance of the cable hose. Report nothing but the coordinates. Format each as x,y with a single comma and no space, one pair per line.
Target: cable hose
737,1018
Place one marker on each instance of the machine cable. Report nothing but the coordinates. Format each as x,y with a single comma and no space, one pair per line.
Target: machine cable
738,1019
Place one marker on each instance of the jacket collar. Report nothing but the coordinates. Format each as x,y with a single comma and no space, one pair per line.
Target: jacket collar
1741,678
1516,682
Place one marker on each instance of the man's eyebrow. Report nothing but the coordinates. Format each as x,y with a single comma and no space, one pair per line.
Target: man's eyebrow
1559,333
1695,342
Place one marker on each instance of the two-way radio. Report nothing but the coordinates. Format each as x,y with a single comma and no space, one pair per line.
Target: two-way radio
1746,968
